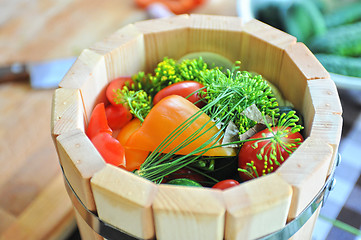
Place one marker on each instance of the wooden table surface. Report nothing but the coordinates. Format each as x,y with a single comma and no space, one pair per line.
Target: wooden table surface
33,200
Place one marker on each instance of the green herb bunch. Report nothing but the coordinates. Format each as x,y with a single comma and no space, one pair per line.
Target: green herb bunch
139,102
244,90
168,72
139,95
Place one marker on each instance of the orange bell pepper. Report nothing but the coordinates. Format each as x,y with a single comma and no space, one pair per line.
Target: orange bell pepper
134,158
165,117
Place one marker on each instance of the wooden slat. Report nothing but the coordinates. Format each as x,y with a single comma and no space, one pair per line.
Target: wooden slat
218,34
306,171
80,161
263,48
305,232
322,95
123,51
67,111
188,213
124,200
298,66
88,74
166,37
257,207
86,232
323,111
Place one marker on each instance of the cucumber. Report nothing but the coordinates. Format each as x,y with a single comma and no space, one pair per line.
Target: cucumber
184,182
344,41
347,14
341,65
304,20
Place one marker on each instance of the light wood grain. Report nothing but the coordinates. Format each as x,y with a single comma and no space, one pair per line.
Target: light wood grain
167,37
123,52
298,66
59,28
263,48
49,205
124,200
89,75
29,164
188,213
306,171
86,232
305,232
257,208
80,161
322,102
67,111
322,95
218,34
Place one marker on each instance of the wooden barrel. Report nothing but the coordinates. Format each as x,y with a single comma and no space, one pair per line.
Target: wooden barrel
145,210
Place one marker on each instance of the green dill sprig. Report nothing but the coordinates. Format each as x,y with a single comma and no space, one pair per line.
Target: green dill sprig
157,165
190,69
246,88
139,102
168,72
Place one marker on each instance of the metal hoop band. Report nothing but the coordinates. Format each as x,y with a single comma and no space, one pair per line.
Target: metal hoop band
111,233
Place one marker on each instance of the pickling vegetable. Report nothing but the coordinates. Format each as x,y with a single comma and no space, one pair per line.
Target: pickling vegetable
189,117
225,184
134,157
184,182
114,85
186,89
109,148
165,117
98,122
100,134
269,148
117,116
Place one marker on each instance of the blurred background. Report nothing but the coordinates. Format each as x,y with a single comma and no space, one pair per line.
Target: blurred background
38,35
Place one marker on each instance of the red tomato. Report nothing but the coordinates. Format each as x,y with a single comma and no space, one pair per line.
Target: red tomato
117,83
109,148
280,140
134,157
117,116
183,89
98,122
228,183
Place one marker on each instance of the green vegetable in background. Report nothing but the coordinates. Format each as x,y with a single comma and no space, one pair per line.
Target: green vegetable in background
344,41
304,20
349,66
346,15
